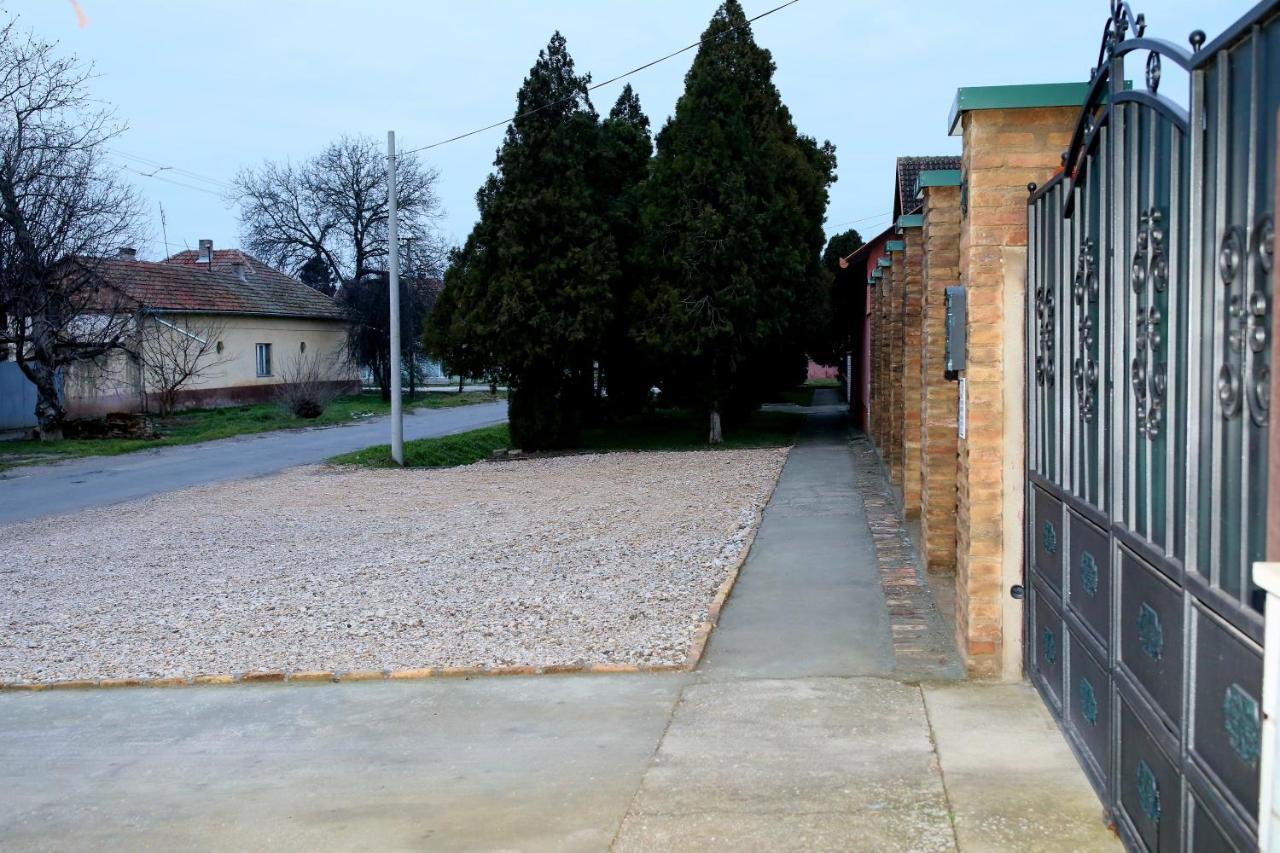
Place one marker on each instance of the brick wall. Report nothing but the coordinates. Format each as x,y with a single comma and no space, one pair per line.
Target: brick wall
1004,150
881,396
892,447
938,435
912,319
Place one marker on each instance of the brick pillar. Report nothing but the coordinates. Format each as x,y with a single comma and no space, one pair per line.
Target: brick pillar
896,273
1004,150
938,436
912,319
877,334
883,399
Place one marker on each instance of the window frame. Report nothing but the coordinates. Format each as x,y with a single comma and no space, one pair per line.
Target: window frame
262,357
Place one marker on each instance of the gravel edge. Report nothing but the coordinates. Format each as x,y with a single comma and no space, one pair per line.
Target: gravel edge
697,646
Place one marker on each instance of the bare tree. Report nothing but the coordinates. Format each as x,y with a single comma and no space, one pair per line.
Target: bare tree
62,210
174,355
334,207
306,385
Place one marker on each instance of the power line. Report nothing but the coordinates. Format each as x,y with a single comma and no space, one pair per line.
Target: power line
878,216
159,166
595,86
157,177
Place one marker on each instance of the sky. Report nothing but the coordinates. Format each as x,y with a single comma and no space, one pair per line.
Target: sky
210,87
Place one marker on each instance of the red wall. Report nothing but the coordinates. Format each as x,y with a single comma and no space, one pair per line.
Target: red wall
864,370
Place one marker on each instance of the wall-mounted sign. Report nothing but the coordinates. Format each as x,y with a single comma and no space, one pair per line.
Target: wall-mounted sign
963,409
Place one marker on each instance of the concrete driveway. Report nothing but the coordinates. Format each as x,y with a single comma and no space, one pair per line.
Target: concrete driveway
807,727
59,487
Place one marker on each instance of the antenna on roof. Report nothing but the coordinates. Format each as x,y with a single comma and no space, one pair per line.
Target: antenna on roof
164,230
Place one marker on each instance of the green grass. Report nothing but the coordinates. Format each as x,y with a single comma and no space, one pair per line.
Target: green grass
679,429
822,383
197,425
443,452
800,396
668,429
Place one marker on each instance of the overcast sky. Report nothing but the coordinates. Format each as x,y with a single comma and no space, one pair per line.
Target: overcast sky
209,87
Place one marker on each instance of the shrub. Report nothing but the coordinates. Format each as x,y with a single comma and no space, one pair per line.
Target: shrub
306,390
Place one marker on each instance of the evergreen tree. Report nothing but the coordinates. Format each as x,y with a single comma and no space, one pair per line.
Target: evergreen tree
315,274
457,332
535,277
734,219
836,318
622,165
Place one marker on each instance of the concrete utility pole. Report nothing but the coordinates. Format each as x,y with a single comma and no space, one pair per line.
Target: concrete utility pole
393,288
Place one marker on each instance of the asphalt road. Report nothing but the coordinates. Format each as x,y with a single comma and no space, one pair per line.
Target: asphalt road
39,490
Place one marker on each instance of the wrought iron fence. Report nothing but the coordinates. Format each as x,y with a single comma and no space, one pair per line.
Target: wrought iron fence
1149,318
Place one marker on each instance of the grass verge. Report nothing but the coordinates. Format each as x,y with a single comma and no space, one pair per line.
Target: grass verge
799,396
444,452
199,425
669,429
680,429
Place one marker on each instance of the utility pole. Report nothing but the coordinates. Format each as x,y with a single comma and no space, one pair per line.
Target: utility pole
393,288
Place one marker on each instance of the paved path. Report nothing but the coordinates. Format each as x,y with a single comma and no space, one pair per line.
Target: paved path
60,487
799,731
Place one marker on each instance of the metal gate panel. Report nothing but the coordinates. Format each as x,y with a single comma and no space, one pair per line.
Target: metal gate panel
1148,363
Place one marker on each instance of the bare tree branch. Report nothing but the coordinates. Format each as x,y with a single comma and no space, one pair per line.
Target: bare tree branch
176,354
334,207
63,210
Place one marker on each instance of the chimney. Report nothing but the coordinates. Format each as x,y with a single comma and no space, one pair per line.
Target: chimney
238,268
205,255
127,253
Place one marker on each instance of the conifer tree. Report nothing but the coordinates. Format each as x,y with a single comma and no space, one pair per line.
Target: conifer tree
532,286
622,164
734,224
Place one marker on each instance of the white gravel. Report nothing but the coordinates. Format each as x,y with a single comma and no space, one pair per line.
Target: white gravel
609,558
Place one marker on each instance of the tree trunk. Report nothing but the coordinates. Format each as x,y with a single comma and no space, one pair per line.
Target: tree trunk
716,436
459,384
49,410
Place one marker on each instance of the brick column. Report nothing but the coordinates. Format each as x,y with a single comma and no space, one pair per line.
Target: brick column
884,402
912,319
877,336
938,436
1005,148
896,273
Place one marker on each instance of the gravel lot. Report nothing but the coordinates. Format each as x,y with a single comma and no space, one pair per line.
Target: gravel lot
609,558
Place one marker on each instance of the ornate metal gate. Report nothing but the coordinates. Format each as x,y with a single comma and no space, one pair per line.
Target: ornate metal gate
1148,322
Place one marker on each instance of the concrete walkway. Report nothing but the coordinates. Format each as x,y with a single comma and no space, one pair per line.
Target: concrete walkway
58,487
805,728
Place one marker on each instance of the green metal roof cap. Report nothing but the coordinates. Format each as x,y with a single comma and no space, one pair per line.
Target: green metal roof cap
911,220
895,246
1014,97
875,274
940,178
884,262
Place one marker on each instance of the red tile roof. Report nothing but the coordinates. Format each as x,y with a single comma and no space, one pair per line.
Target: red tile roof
178,284
907,176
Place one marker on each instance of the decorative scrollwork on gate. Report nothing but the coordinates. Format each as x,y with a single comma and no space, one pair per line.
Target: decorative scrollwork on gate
1258,332
1084,291
1148,372
1232,266
1045,313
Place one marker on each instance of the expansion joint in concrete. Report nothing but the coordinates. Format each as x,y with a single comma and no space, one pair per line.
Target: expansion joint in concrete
942,773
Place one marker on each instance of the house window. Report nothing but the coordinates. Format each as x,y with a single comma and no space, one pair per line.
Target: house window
264,359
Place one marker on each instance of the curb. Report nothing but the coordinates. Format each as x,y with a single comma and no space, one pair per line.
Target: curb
697,646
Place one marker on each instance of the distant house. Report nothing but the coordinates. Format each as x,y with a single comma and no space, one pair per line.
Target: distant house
266,324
